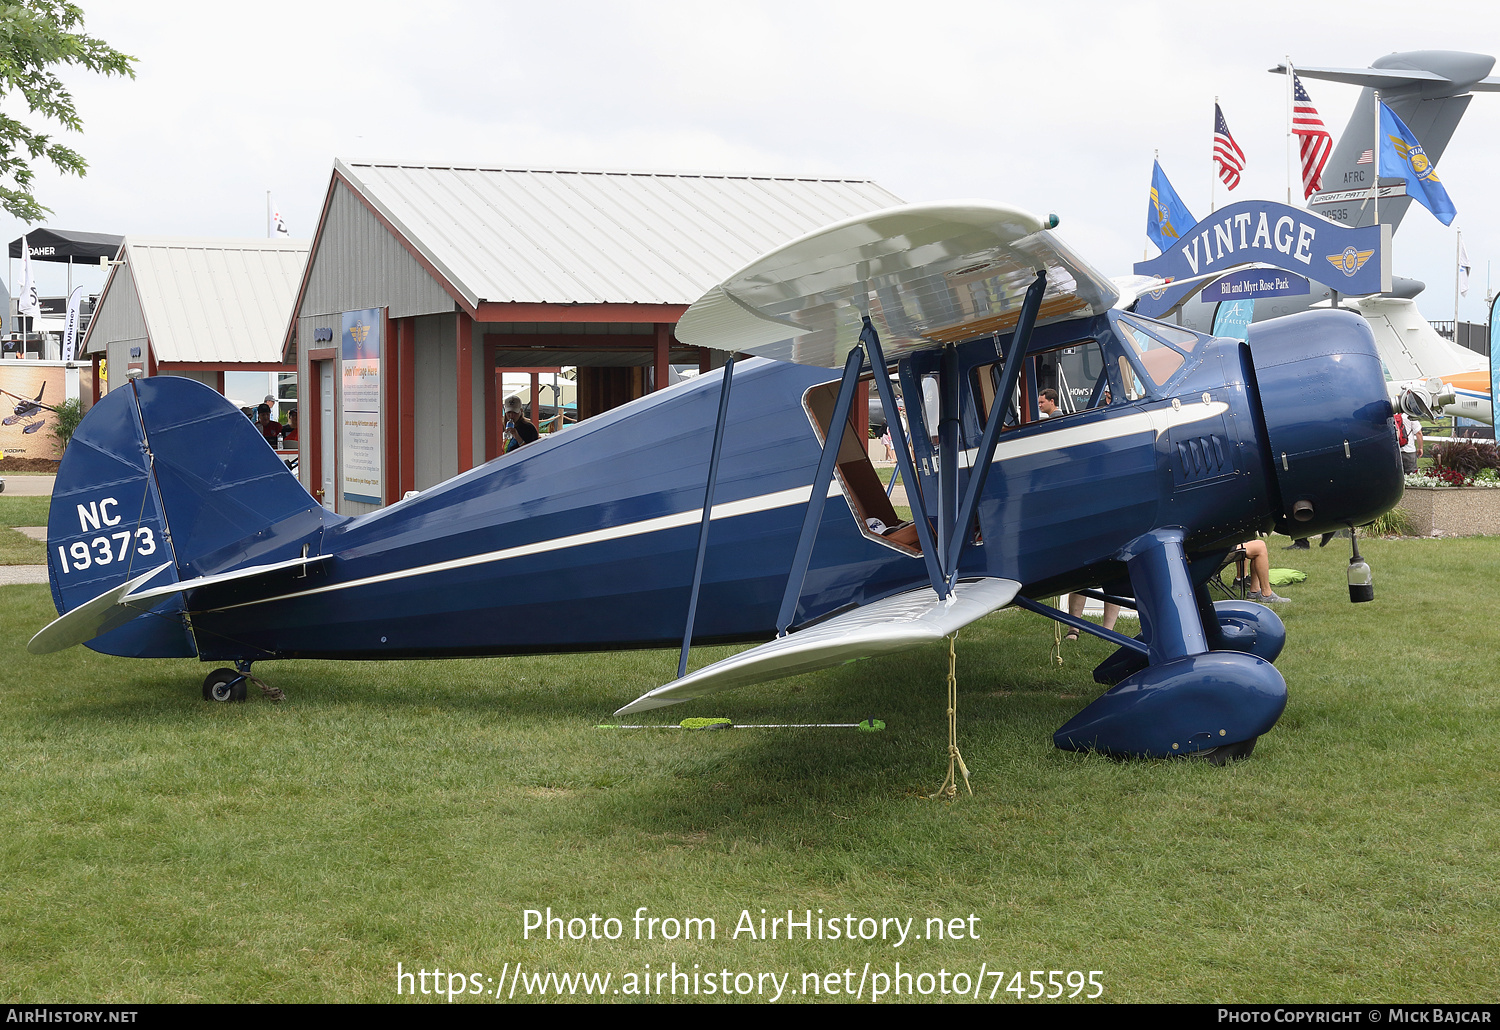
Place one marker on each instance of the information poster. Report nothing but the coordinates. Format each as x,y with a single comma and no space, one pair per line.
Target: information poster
28,392
359,442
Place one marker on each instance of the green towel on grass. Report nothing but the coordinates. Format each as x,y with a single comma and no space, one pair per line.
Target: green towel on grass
1286,577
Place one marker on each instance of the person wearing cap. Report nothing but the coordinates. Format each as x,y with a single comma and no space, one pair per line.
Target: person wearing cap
271,430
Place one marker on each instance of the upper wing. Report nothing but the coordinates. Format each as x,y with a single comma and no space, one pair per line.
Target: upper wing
926,274
893,624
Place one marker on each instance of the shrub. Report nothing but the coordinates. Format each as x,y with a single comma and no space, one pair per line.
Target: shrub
1396,522
68,414
1464,457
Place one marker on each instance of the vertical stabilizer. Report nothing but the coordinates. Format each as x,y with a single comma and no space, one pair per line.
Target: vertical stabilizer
105,528
1429,90
166,472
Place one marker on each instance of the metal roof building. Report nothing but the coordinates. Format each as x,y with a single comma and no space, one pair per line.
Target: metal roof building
195,307
465,271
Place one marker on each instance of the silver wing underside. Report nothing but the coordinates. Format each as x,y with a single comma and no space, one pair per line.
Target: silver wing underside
896,623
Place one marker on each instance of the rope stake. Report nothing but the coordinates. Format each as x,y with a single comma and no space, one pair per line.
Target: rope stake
949,790
1057,634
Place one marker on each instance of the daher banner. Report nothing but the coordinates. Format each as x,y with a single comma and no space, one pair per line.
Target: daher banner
1355,262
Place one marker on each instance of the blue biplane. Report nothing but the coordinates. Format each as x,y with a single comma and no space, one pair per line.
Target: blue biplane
742,507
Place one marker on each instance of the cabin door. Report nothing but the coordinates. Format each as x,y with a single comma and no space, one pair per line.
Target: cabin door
328,474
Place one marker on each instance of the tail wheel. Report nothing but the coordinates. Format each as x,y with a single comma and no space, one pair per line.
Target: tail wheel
224,685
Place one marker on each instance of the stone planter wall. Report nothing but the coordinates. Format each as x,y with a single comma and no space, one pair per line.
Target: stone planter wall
1452,511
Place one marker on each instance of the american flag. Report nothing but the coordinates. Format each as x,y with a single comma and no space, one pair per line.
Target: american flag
1227,153
1317,144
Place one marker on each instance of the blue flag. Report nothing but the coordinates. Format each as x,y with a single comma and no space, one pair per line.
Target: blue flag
1167,219
1402,157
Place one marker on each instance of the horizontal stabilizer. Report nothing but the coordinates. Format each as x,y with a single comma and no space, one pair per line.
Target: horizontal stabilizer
92,618
1459,72
225,577
122,603
896,623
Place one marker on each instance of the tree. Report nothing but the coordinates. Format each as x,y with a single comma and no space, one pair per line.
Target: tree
37,36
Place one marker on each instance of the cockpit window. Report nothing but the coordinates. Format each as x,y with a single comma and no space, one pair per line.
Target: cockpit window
1057,382
1176,336
1161,348
1073,372
1134,391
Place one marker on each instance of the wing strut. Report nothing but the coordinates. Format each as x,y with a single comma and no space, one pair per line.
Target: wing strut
871,339
814,514
981,469
954,518
921,433
708,507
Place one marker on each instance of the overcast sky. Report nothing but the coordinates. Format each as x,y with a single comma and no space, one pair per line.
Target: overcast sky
1049,110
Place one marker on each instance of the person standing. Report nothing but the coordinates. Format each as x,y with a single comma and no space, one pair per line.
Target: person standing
1075,609
1409,436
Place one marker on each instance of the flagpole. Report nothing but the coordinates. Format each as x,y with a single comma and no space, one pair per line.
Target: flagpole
268,214
1377,157
1458,250
1212,183
1290,102
1155,157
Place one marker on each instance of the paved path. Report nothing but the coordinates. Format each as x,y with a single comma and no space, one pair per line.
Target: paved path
10,575
28,486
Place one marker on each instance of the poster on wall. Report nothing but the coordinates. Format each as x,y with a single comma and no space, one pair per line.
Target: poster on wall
28,393
359,443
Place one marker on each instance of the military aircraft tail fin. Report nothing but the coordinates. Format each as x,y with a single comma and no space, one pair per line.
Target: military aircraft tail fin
1429,90
165,471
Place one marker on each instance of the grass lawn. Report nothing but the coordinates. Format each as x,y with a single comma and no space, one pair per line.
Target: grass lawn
156,847
16,549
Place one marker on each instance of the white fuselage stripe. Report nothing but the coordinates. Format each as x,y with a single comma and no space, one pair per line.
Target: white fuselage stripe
728,510
1156,420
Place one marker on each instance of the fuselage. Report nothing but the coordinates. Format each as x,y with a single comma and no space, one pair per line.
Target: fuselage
587,539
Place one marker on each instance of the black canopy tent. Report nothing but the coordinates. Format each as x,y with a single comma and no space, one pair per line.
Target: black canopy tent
65,245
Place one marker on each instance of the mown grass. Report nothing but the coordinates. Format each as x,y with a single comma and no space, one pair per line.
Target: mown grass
156,847
16,549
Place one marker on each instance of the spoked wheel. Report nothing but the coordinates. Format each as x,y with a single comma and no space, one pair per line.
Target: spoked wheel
224,685
1227,753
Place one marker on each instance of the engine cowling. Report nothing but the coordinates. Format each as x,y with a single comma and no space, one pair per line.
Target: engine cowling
1328,421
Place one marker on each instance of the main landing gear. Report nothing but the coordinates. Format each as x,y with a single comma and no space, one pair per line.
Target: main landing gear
1197,683
232,685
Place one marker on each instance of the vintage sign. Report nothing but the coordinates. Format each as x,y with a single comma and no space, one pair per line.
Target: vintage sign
1255,282
1355,262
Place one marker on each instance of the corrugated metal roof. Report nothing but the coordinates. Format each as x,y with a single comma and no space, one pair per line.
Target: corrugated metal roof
215,300
573,237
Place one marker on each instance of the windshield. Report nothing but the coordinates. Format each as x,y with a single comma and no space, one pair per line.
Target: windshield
1162,348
